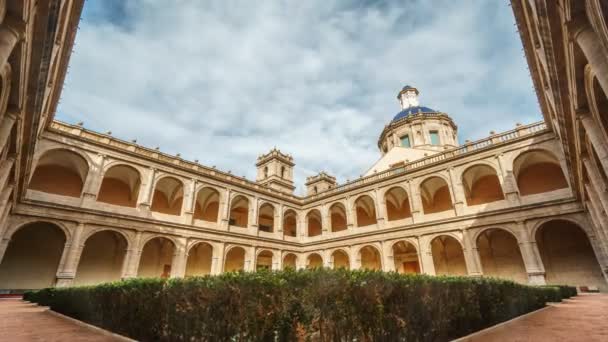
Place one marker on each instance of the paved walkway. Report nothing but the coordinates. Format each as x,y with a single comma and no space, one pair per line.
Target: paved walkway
582,318
20,321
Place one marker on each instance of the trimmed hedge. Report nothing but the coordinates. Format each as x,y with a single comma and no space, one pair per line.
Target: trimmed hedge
321,304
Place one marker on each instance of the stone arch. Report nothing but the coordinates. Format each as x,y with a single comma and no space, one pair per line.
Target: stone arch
235,259
200,259
537,171
120,186
60,171
567,254
597,99
340,259
500,254
157,257
370,258
405,257
239,211
397,204
314,260
365,209
314,223
481,184
448,255
337,215
266,215
207,204
290,260
168,196
5,87
290,223
102,257
435,194
264,260
32,256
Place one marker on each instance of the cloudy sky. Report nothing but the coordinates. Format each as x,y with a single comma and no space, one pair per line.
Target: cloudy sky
224,81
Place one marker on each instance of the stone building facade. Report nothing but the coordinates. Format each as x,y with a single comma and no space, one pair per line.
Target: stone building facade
82,207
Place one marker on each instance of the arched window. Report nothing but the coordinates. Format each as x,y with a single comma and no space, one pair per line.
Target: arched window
264,261
32,257
207,205
266,218
397,204
282,171
339,259
156,258
200,259
366,211
448,256
481,185
314,260
168,196
120,186
370,258
239,212
405,257
290,223
337,214
568,256
538,171
290,261
235,260
266,172
102,258
314,223
435,195
500,255
60,172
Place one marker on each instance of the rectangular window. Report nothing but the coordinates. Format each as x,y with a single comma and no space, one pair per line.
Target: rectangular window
405,141
434,137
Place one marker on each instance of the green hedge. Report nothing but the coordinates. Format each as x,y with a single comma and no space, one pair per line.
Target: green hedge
321,304
565,291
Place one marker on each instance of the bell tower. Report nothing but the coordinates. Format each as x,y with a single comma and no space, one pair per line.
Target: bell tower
275,170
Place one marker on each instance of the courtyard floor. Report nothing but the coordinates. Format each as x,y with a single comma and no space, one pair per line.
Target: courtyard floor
21,321
582,318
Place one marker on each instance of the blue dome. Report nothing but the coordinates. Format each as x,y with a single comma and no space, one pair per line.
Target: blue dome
413,111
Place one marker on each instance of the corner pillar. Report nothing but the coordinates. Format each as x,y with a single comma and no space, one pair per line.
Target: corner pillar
66,272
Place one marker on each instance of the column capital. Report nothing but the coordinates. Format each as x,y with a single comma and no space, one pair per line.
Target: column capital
576,25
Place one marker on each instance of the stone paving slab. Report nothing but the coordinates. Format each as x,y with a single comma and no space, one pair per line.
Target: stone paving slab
582,318
21,321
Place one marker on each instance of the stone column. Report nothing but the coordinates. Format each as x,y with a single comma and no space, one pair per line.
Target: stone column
325,219
600,212
249,259
278,222
189,202
351,215
596,138
11,32
426,256
6,127
598,182
471,255
301,226
66,272
217,264
582,33
132,258
507,181
380,209
224,210
147,187
180,257
252,220
5,171
277,261
415,201
93,181
457,191
599,223
388,259
532,261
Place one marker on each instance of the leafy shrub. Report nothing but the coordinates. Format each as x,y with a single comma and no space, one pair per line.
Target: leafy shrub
321,304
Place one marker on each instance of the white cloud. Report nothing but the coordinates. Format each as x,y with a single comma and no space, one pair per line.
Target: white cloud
224,81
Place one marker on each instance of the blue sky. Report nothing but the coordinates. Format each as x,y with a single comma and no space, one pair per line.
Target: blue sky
224,81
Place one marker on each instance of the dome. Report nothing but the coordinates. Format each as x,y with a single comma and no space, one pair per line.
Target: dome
413,111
